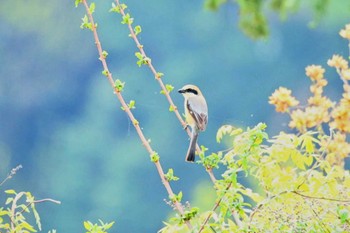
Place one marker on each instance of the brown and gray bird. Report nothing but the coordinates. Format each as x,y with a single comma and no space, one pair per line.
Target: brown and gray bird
196,113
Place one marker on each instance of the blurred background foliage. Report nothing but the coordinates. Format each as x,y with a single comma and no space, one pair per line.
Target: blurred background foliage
61,121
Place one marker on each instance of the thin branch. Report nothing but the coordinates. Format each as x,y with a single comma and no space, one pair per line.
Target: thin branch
234,214
321,198
213,210
40,201
151,152
319,220
294,192
166,93
155,73
11,174
47,200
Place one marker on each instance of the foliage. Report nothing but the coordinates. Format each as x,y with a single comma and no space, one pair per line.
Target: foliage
13,218
299,180
97,228
253,15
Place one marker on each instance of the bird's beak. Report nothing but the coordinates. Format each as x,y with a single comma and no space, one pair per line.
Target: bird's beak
181,91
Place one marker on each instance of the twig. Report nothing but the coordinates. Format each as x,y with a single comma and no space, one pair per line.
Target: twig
47,200
320,198
11,174
234,214
14,206
294,192
213,210
151,152
165,91
155,73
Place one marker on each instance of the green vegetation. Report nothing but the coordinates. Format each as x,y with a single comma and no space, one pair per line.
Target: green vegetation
285,180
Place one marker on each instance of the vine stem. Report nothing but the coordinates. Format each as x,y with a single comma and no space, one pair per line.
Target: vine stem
144,141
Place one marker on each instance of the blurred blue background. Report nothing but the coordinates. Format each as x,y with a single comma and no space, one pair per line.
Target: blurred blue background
62,122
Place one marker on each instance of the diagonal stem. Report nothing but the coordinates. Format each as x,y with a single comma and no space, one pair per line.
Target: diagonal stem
151,152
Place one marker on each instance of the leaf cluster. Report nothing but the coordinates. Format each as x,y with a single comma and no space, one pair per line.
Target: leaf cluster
253,13
14,217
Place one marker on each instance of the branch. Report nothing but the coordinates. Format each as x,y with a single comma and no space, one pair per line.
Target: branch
321,198
164,90
144,141
213,210
11,174
156,74
294,192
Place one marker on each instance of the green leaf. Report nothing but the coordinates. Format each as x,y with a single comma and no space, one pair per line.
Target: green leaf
159,75
179,196
109,225
105,73
77,2
190,214
92,7
343,215
131,104
119,85
104,53
118,8
142,60
86,24
137,30
10,191
4,212
297,159
169,87
127,19
170,175
155,157
88,225
213,4
25,225
139,55
8,200
171,108
211,161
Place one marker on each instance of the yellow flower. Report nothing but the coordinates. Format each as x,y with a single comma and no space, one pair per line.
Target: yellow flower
314,72
316,90
337,148
346,74
320,101
311,117
298,120
346,87
345,33
338,62
282,99
341,117
345,101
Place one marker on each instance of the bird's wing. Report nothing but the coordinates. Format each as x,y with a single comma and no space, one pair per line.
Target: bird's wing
199,112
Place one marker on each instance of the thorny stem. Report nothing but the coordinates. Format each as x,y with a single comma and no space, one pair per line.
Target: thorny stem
166,184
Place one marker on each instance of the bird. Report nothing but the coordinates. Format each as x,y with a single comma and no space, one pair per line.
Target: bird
196,115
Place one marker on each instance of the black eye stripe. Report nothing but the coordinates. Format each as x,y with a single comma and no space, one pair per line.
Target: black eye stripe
190,90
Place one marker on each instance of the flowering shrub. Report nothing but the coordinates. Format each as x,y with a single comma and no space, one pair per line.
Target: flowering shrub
300,184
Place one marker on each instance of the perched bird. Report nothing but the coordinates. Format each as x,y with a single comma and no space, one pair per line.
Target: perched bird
196,113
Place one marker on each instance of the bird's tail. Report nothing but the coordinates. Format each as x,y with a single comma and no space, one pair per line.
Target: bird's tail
190,157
